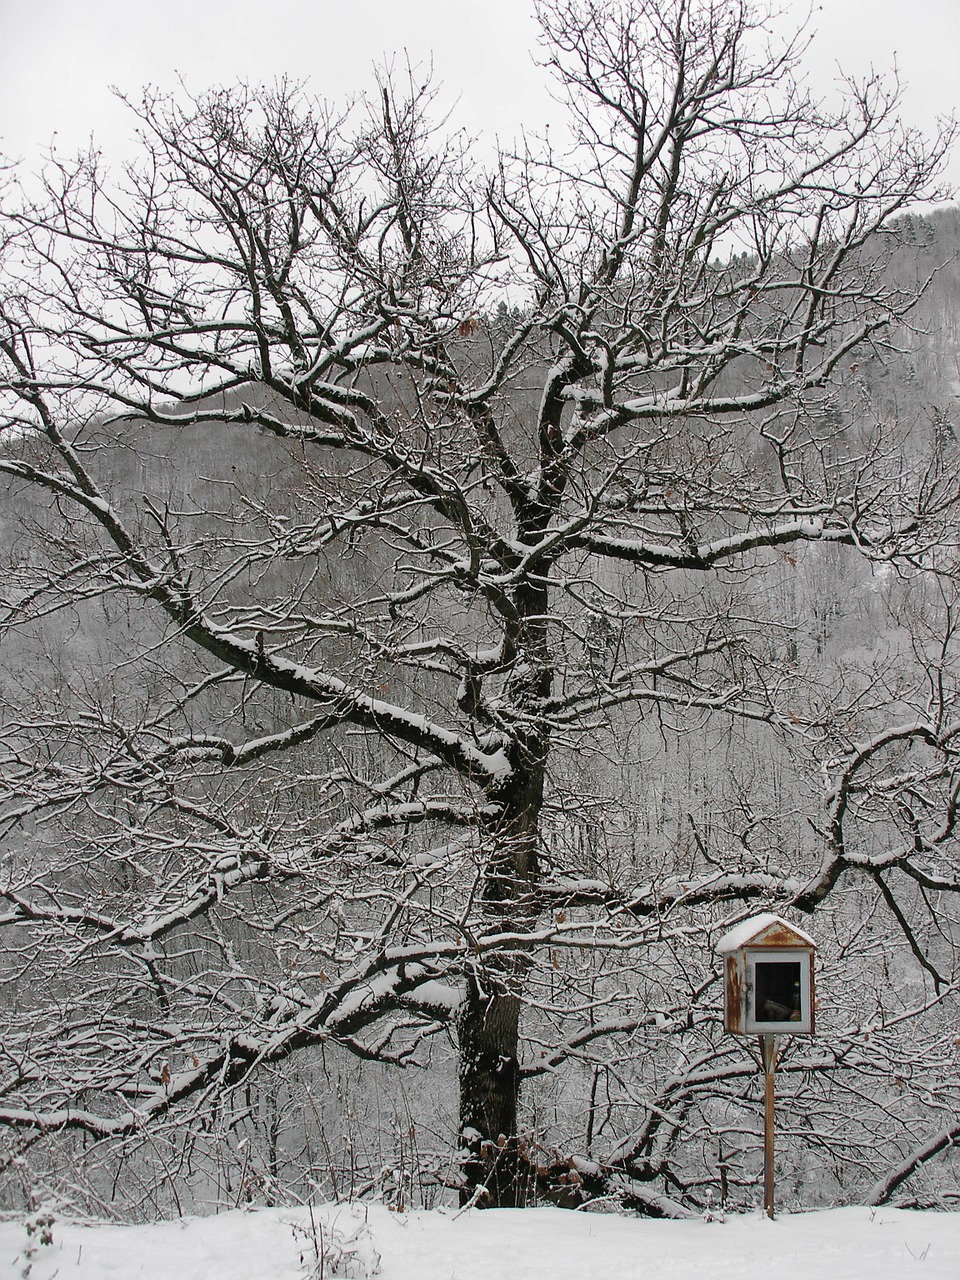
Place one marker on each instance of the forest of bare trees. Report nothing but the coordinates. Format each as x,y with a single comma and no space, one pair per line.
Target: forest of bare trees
438,601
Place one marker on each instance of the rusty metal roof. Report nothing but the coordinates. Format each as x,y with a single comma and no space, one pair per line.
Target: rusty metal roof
765,929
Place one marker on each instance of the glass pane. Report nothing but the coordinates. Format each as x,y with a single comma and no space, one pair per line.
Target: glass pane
777,991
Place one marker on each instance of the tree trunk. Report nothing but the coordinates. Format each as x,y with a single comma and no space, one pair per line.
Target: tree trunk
496,1171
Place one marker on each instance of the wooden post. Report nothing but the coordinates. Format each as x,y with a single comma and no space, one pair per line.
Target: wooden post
768,1055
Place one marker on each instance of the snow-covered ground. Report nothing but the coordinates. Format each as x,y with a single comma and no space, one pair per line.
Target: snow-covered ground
534,1244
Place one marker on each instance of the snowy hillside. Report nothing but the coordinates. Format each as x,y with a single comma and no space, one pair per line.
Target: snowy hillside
533,1244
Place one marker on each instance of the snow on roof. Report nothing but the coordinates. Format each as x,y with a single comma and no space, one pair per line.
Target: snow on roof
747,931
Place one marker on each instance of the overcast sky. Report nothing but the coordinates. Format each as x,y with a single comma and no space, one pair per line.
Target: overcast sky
58,58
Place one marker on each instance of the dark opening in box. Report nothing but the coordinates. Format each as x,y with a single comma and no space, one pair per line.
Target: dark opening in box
777,987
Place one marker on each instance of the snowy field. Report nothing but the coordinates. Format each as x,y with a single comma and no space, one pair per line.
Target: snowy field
535,1244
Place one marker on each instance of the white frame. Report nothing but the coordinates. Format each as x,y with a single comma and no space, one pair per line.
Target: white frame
779,955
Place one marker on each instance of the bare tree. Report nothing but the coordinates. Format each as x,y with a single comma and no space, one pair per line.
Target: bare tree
365,508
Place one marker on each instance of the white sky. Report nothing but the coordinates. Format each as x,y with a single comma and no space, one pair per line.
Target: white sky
59,57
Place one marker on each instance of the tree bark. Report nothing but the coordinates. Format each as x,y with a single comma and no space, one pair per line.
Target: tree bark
496,1171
